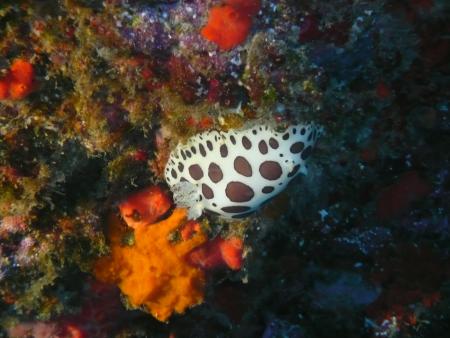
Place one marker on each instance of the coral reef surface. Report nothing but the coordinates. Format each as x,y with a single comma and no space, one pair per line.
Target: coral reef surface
96,98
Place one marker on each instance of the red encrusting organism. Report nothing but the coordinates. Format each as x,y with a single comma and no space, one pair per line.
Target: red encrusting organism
22,71
231,252
140,155
18,82
214,91
145,207
218,253
189,229
205,123
229,25
4,89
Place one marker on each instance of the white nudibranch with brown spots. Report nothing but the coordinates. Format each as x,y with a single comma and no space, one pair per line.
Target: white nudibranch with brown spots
233,173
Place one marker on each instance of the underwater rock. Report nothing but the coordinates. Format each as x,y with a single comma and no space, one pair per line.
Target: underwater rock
281,328
145,29
342,291
366,242
398,197
12,225
34,329
116,117
233,173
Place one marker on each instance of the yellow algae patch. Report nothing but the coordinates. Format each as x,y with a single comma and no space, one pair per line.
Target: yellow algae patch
153,272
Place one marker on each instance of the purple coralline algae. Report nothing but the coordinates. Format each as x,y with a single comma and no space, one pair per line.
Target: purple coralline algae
146,30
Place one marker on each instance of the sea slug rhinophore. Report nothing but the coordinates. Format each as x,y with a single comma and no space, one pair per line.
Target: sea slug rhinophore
233,173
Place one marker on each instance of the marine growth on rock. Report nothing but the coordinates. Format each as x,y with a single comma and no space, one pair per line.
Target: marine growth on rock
233,173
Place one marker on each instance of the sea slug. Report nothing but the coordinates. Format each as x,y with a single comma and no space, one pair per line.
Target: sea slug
233,173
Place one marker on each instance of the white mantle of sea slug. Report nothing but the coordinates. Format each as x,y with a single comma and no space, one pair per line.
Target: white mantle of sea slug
233,173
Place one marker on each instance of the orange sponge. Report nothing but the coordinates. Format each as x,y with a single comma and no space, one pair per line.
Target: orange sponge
153,273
